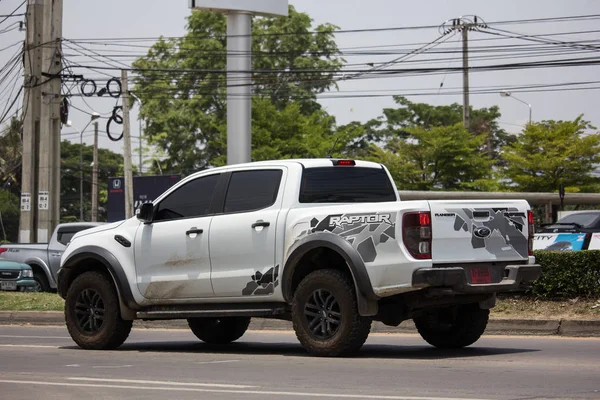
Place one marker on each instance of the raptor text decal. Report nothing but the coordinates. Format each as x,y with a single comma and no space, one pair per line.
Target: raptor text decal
364,219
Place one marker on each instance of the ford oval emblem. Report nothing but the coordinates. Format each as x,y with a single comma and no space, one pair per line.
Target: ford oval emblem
482,232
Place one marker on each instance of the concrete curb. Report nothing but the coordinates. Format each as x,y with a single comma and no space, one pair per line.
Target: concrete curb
541,327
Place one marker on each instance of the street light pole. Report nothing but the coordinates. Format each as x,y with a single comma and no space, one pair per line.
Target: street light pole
140,131
94,117
508,94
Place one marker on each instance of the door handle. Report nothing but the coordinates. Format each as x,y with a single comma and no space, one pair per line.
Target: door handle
55,254
260,222
193,230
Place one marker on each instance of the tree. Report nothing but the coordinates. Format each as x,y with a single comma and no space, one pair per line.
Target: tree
9,216
395,122
553,153
182,84
10,156
110,164
442,158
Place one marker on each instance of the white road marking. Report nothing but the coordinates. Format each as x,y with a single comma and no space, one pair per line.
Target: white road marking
34,337
36,346
73,365
170,383
241,392
217,361
112,366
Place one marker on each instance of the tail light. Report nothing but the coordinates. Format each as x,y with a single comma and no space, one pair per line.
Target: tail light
530,230
3,249
416,234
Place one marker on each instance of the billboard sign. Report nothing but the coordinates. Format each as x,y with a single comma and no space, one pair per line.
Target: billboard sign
145,190
558,241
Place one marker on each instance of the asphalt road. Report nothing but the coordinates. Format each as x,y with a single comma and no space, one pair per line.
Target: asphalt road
43,363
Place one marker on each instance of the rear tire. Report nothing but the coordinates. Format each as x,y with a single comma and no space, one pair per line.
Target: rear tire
92,313
219,330
453,327
325,315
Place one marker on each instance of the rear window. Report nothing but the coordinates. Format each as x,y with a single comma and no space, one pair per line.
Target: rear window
346,185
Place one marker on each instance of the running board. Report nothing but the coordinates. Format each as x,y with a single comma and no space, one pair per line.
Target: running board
213,310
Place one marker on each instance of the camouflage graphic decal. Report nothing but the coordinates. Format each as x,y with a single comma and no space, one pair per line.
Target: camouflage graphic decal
499,230
363,231
262,283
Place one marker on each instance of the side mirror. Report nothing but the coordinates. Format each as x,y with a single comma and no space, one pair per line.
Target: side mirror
146,213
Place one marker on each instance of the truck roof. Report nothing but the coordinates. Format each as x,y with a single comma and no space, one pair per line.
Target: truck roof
305,162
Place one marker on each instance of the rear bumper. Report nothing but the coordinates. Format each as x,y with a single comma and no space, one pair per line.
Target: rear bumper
517,277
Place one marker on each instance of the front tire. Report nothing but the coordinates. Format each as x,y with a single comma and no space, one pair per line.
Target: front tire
325,315
41,282
219,330
453,327
92,313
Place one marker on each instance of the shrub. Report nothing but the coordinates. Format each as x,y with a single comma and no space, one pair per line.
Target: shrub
568,273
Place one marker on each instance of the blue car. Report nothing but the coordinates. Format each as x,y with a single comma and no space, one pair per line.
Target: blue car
17,277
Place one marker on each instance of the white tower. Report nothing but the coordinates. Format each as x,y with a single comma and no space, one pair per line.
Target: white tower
239,66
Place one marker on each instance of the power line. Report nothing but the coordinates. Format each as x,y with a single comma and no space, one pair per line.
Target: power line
363,30
12,14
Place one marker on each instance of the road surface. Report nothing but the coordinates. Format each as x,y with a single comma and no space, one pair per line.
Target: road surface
43,362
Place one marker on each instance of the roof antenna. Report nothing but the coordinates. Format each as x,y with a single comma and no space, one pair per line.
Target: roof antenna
333,147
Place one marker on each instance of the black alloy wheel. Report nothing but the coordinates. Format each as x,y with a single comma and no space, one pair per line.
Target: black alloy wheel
89,310
323,314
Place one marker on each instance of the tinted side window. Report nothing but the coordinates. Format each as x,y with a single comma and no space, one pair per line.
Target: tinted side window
65,235
252,190
190,200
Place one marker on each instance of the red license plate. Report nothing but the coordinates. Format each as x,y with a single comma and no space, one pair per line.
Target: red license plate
481,275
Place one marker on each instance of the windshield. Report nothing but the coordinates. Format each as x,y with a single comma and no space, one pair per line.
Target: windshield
346,185
585,220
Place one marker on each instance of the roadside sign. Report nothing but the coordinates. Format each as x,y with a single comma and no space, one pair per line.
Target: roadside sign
558,241
25,202
43,199
145,190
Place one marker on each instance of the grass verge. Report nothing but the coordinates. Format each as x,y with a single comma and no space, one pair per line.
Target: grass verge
506,307
533,308
17,301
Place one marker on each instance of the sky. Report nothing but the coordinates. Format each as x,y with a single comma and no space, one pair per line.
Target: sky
152,18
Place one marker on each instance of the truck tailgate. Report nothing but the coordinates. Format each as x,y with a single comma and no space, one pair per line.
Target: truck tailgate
479,231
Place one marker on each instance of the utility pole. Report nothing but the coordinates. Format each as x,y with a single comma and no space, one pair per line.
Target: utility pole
466,104
95,175
127,142
140,131
48,196
140,150
31,123
464,24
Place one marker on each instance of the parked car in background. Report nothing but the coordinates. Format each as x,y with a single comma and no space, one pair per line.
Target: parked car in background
44,258
586,223
16,276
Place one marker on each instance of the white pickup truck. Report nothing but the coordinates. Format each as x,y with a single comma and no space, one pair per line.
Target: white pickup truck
324,243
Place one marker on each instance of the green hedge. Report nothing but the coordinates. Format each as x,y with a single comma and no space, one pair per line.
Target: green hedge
568,274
